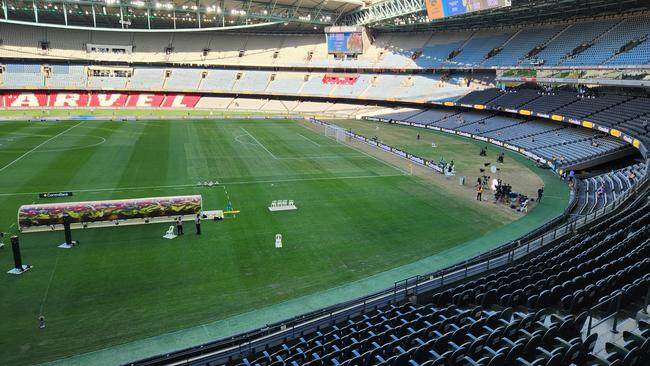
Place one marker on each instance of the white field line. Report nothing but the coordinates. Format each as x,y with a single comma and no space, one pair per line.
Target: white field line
308,139
37,146
259,143
47,289
118,189
404,172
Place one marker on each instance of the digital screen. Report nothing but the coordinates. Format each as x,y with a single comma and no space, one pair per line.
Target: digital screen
345,43
437,9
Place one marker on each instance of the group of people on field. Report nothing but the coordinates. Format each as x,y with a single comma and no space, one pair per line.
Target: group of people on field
197,223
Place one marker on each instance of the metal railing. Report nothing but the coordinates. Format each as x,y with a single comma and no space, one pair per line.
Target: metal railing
616,296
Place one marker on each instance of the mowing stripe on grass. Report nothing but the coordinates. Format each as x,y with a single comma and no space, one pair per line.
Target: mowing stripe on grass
177,186
37,146
259,143
308,139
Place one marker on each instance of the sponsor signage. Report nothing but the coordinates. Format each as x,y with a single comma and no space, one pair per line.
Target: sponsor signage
417,159
399,152
55,194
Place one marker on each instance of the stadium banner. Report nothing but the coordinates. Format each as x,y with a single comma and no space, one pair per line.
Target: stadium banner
144,100
97,211
63,99
437,9
107,99
25,99
176,100
344,40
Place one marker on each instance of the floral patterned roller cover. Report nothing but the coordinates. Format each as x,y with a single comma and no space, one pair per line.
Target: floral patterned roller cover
93,211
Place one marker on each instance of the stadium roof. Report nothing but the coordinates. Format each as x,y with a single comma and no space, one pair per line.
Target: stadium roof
289,15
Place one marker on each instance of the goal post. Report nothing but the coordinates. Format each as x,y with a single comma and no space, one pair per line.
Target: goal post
336,132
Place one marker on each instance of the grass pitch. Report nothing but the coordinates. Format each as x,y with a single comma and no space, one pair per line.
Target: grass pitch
357,215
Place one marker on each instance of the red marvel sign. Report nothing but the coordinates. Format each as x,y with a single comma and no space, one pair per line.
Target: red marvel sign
25,99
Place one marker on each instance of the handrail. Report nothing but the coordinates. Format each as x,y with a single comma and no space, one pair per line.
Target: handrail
617,295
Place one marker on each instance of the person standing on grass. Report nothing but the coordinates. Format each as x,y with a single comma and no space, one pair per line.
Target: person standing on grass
179,226
418,136
197,222
479,192
41,322
540,193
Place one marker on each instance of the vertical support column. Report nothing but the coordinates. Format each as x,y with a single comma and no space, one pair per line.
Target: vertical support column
121,16
174,17
65,14
35,10
148,17
198,12
223,13
4,9
94,16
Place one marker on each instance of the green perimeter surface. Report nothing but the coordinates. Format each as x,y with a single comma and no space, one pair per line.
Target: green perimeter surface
357,217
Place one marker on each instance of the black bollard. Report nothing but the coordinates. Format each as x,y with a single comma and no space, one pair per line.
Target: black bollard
66,229
18,260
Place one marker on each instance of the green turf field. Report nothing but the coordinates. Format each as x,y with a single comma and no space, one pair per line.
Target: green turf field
358,215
